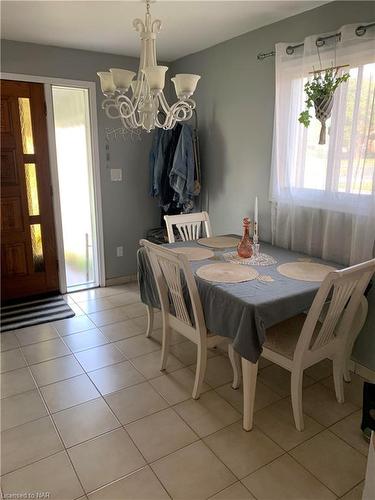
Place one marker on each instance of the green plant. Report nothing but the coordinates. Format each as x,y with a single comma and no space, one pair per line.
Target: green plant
323,85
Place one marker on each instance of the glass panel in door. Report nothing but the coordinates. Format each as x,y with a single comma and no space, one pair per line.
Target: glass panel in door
74,163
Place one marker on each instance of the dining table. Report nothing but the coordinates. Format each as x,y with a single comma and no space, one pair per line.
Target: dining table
243,311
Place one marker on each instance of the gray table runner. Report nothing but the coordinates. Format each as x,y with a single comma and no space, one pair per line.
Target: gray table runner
243,311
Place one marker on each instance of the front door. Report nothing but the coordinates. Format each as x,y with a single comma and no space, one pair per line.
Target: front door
28,247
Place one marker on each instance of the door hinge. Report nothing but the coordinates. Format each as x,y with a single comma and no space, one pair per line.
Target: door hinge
51,190
57,265
45,108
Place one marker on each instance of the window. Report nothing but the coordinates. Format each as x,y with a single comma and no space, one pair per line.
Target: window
340,175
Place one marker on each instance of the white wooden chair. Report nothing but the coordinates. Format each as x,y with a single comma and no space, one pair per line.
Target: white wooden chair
188,225
173,277
327,331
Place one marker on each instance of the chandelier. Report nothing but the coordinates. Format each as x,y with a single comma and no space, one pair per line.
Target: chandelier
140,102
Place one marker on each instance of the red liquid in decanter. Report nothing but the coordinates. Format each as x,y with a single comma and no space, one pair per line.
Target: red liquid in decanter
245,248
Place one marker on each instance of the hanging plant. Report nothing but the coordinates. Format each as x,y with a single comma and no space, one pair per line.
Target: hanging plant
320,95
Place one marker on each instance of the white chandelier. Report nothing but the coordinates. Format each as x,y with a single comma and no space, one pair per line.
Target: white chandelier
140,103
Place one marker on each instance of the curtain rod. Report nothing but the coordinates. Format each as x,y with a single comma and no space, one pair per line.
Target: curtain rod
359,31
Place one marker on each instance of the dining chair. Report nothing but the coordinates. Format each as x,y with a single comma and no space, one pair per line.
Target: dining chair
182,309
329,329
188,225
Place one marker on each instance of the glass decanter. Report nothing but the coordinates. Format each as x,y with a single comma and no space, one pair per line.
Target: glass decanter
244,248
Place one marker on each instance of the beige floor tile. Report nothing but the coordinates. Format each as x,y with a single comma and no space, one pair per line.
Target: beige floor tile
21,408
124,299
105,458
11,360
85,340
320,404
8,341
192,472
208,414
122,330
332,461
70,392
355,494
109,316
149,364
177,386
137,346
93,294
353,391
16,382
349,429
263,363
27,443
176,338
236,491
54,475
77,310
143,322
96,305
264,396
218,372
135,402
73,325
277,422
55,370
135,310
186,352
141,485
278,379
116,377
43,351
85,421
160,434
98,357
35,334
320,370
285,479
241,451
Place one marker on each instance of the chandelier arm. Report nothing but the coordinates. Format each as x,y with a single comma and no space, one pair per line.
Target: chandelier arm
164,103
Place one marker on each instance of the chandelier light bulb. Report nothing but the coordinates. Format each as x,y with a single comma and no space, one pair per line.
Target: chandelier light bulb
146,106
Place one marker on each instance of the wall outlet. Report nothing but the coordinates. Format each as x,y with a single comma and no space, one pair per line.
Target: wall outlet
116,174
120,251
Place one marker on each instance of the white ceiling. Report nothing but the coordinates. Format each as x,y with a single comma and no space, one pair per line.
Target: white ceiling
106,26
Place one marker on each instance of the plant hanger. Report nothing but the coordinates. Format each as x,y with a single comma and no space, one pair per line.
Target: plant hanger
320,92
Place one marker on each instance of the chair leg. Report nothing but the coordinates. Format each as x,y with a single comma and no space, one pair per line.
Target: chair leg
200,370
338,379
165,346
296,393
249,380
235,361
150,320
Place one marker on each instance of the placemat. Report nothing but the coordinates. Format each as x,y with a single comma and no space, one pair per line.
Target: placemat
225,272
219,241
194,253
305,271
260,260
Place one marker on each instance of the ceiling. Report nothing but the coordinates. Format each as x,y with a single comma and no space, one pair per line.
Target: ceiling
106,26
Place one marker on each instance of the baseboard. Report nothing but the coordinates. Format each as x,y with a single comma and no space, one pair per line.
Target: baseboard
120,280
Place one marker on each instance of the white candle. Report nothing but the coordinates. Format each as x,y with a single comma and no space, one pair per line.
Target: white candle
256,226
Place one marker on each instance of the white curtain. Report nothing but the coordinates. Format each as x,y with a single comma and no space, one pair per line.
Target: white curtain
324,195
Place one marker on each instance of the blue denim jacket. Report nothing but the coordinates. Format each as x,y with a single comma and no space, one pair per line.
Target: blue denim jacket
181,177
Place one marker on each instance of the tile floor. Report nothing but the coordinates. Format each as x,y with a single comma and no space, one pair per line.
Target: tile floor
86,414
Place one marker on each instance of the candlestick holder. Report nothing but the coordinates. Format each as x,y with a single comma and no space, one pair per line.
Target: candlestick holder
256,250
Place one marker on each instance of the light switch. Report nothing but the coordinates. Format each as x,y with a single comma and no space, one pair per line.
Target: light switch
116,174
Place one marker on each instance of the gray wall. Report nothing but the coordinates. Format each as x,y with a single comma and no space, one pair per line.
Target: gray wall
127,209
235,101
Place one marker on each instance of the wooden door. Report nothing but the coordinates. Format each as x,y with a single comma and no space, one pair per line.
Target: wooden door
28,246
